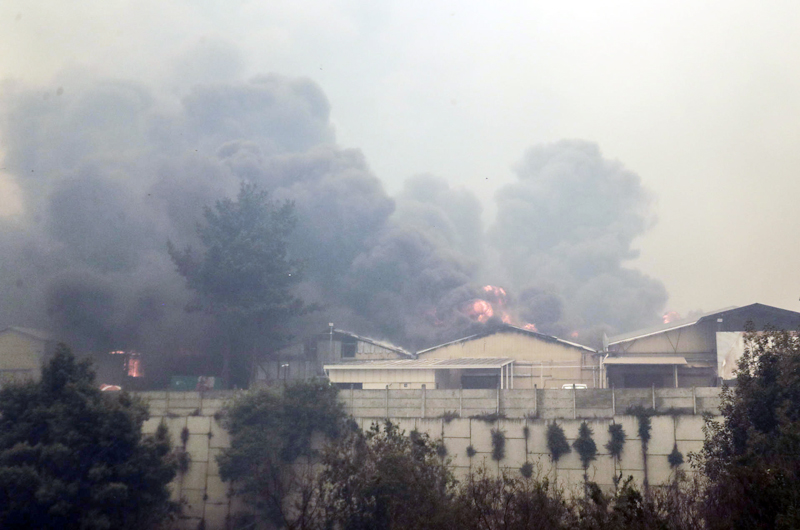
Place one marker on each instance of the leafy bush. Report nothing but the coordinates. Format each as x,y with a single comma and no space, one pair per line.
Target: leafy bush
270,430
382,479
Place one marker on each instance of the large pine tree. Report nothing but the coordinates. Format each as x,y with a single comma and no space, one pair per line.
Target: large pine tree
244,276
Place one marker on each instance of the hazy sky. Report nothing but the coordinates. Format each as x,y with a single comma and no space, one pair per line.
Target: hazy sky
701,99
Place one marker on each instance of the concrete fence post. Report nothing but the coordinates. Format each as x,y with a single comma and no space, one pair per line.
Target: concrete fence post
461,402
574,402
535,401
497,405
654,396
424,399
352,400
387,402
694,401
613,401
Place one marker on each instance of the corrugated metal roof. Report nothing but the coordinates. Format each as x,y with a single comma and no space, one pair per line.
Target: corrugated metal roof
662,328
464,363
382,344
509,327
648,360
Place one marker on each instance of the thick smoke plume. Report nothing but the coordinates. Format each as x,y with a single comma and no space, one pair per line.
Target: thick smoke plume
563,234
110,171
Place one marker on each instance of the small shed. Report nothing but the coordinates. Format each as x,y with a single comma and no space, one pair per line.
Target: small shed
484,372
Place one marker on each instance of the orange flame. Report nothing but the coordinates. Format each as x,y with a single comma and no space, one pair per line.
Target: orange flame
480,310
134,365
497,292
670,316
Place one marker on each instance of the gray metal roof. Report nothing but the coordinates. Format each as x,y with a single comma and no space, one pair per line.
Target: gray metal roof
662,328
361,338
464,363
509,327
35,333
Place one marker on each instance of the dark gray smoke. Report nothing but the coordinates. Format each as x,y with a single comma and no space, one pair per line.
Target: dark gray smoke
564,232
111,170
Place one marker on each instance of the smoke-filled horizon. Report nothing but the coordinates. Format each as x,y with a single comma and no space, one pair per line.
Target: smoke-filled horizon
111,170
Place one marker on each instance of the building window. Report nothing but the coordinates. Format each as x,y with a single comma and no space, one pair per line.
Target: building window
347,386
348,348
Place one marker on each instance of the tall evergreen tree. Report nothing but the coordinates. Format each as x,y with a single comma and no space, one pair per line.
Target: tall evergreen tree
244,276
752,457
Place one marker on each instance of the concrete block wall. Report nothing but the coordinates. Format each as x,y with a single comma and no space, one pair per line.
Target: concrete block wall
205,496
200,490
458,435
527,403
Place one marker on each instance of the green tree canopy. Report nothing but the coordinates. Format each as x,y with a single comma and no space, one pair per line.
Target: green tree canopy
272,434
244,275
752,457
383,479
73,457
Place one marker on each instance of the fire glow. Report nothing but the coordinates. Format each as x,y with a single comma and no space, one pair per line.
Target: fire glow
495,305
132,364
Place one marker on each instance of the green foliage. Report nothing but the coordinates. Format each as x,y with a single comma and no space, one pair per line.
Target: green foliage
382,479
182,460
675,458
585,446
73,457
616,440
449,416
751,457
526,470
489,417
488,502
244,276
645,424
498,444
557,442
628,509
441,449
270,430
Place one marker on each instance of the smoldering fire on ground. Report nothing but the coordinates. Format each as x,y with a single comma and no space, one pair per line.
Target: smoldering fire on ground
110,170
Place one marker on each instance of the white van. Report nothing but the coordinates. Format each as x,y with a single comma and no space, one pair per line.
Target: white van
576,386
